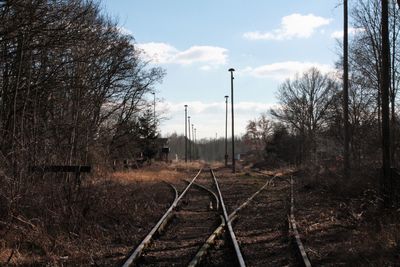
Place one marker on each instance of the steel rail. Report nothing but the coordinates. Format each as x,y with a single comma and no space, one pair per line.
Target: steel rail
228,224
218,231
251,197
207,245
292,221
139,249
207,190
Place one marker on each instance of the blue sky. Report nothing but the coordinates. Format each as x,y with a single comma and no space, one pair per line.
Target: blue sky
198,41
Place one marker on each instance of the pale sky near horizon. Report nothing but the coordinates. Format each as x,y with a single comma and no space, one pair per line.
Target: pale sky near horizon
196,42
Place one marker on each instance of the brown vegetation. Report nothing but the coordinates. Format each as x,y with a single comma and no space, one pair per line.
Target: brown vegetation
106,217
343,222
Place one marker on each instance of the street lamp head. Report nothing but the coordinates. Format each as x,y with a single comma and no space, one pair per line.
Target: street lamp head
188,117
226,96
185,106
231,69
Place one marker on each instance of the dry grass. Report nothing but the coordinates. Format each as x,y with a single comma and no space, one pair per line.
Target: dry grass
188,166
343,222
158,172
147,175
106,218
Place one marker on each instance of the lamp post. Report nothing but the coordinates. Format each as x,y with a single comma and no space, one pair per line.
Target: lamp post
190,146
186,133
346,91
193,141
231,70
226,131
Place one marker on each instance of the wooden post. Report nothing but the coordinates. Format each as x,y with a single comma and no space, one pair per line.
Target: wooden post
385,83
346,93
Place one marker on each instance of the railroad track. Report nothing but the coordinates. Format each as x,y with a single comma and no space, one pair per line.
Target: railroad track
182,230
215,252
197,229
305,261
265,240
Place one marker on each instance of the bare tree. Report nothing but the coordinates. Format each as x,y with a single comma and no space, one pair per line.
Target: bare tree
366,55
305,102
71,84
258,132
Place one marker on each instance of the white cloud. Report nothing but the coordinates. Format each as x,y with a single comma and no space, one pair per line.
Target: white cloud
210,54
352,31
198,107
160,53
292,26
194,106
164,53
283,70
206,67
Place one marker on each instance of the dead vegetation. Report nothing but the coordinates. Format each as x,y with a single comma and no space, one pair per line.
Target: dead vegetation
97,223
345,222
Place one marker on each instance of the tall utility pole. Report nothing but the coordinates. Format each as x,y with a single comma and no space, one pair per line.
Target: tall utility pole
226,131
193,140
385,83
186,154
346,91
190,144
233,123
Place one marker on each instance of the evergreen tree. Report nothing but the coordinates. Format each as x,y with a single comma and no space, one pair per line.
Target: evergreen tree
148,136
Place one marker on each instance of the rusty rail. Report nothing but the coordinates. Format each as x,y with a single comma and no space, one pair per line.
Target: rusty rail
208,190
139,249
229,225
218,231
292,222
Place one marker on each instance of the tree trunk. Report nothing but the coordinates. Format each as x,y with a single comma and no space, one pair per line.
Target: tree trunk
346,93
385,84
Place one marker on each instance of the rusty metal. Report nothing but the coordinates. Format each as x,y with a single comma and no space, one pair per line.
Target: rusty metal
218,231
207,245
229,225
292,221
208,191
139,249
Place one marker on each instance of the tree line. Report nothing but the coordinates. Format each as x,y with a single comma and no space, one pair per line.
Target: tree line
209,150
310,117
73,88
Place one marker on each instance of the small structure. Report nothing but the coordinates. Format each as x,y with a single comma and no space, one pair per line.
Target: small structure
62,168
164,153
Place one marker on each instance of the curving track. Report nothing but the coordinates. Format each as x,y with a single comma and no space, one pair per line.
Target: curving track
183,229
261,226
198,230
